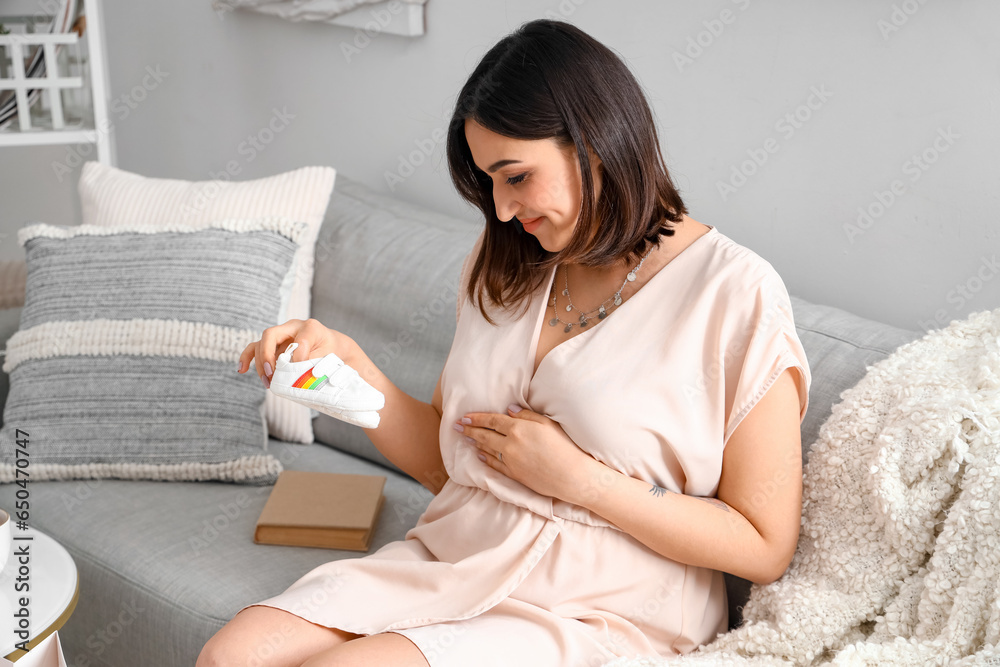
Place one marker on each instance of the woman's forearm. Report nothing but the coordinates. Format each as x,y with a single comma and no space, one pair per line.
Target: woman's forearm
703,532
408,433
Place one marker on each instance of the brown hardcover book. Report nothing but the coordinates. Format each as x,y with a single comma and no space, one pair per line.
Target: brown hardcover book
321,509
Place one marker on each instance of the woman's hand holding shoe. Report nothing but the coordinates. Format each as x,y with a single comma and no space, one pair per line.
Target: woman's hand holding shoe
314,341
402,428
321,380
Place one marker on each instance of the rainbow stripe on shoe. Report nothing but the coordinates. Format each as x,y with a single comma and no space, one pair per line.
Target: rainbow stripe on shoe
309,381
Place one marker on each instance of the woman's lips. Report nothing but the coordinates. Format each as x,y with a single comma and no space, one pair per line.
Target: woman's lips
530,225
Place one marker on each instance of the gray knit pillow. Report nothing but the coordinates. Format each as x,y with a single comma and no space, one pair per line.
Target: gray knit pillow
124,365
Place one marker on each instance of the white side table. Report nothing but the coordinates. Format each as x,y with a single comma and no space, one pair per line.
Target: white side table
54,588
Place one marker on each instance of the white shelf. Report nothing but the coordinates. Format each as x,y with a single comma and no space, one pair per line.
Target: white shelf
46,122
409,21
48,137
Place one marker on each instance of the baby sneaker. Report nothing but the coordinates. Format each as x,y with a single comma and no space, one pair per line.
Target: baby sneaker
328,385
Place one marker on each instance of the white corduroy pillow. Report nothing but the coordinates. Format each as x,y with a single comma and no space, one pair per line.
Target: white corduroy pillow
110,197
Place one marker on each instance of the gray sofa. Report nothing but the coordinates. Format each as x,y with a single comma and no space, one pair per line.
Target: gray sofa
164,565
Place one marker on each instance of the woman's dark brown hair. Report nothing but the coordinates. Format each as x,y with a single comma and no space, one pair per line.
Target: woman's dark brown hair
549,79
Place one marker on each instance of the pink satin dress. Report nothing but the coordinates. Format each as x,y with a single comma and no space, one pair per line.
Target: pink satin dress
496,574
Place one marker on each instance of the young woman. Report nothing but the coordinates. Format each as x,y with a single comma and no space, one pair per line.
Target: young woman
655,386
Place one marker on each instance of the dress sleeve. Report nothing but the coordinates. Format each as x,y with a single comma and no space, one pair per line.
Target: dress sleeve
463,276
765,343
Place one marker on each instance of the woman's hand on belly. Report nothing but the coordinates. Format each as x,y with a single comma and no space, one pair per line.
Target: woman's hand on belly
534,450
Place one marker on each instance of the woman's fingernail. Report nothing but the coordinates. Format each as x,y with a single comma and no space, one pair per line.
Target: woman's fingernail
264,381
466,420
469,440
267,368
514,408
482,457
239,367
458,427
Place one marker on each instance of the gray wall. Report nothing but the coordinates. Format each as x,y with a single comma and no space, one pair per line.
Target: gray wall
904,96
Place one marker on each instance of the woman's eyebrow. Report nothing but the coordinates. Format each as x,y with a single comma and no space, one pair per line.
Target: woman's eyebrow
501,163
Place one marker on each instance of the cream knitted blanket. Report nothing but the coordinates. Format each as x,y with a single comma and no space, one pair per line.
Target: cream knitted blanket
898,560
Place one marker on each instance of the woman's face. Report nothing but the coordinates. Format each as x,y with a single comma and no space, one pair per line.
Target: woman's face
532,179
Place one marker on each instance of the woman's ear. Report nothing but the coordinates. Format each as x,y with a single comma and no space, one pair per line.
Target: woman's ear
599,174
596,161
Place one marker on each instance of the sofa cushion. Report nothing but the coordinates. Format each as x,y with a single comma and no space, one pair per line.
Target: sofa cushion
164,566
840,347
111,196
387,276
124,364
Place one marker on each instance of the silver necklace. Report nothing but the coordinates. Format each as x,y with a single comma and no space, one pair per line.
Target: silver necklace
600,310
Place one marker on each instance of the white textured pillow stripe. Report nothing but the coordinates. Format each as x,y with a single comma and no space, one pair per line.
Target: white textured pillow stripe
125,362
147,337
111,196
293,229
238,471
